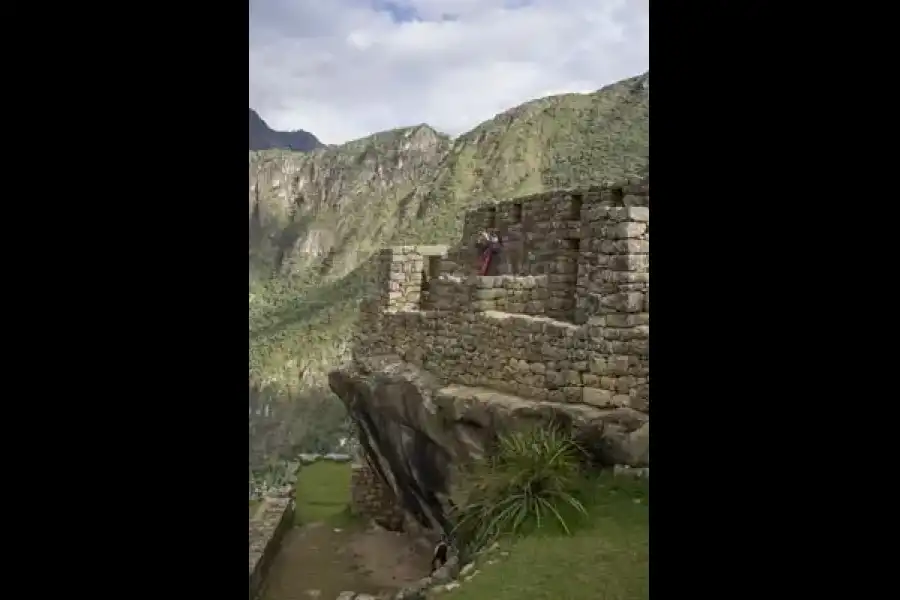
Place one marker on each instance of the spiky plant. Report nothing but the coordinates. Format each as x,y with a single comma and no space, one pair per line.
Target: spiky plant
532,478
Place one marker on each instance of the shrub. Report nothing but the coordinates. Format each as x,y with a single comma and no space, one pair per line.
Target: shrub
533,477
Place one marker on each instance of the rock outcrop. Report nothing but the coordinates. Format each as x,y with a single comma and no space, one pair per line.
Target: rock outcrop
414,431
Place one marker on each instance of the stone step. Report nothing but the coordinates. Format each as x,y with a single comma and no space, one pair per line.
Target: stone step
512,403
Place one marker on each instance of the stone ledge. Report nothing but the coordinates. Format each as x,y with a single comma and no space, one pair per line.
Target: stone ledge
267,528
625,432
494,315
546,321
508,281
511,402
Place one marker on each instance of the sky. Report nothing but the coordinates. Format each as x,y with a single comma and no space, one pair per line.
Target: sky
344,69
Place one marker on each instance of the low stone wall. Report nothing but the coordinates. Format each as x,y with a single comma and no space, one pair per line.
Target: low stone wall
523,294
267,528
402,272
530,356
371,499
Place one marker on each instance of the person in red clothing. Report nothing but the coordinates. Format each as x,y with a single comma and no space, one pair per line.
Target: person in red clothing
490,244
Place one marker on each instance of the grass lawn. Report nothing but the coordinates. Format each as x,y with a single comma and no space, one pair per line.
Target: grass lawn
323,492
606,559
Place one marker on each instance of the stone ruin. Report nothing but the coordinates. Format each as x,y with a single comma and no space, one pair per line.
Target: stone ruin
558,330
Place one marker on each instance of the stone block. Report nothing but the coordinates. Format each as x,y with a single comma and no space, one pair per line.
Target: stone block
626,230
597,397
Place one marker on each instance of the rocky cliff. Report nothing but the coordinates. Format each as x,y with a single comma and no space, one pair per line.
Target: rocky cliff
316,217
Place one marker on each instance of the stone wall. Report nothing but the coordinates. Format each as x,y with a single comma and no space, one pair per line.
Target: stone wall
510,293
267,528
372,499
567,321
563,318
541,236
403,272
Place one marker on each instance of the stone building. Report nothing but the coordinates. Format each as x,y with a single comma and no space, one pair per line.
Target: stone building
560,326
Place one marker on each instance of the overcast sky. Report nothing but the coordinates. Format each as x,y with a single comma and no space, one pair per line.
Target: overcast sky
343,69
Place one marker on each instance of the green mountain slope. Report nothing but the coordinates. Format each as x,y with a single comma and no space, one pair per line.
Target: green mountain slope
315,217
556,142
311,214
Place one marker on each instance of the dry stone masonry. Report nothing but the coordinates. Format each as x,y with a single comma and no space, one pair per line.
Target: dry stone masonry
445,358
371,498
267,527
565,320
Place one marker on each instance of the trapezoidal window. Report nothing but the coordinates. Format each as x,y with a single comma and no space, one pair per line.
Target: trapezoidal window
576,208
517,212
434,267
429,273
618,196
570,254
492,217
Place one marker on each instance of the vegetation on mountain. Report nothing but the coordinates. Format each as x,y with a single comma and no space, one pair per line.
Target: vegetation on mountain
316,217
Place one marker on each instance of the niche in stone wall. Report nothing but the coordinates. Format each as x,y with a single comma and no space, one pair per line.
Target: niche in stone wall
433,266
564,308
430,272
577,201
617,195
517,213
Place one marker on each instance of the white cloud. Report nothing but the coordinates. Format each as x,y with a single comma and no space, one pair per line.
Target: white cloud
343,69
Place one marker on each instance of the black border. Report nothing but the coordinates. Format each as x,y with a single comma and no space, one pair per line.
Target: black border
708,357
161,354
747,192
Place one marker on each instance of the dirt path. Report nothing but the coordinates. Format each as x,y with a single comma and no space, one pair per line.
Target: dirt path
319,561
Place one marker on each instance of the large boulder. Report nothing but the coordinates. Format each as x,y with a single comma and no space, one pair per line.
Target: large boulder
414,431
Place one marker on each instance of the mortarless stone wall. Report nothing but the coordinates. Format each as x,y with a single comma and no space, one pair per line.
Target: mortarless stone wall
274,517
563,317
569,323
371,498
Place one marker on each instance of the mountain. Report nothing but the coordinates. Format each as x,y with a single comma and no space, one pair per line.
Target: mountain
314,217
335,204
263,137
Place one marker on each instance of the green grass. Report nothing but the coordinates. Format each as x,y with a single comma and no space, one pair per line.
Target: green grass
606,559
323,493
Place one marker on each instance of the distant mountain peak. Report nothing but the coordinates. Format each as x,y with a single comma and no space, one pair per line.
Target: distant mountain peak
263,137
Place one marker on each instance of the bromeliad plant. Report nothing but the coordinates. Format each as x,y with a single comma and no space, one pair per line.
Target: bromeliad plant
533,478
